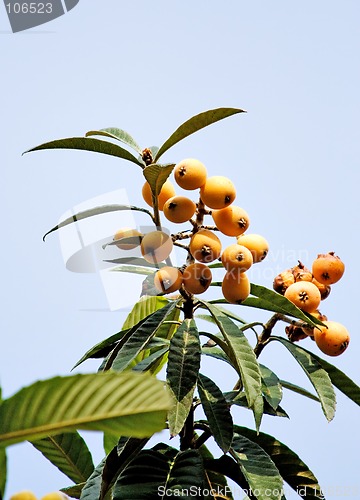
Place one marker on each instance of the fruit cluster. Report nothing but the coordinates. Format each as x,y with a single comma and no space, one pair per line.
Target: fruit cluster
306,289
216,197
29,495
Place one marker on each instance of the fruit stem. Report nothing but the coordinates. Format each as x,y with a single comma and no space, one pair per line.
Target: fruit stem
265,335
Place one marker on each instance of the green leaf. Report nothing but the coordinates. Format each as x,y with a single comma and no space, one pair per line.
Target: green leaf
156,175
299,390
89,144
155,474
194,124
134,265
271,387
293,470
145,271
340,380
92,488
95,211
216,482
116,133
239,399
217,412
73,491
143,308
128,403
182,372
3,471
239,352
258,468
316,374
69,453
124,354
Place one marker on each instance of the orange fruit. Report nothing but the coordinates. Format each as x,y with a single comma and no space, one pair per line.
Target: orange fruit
205,246
127,232
190,174
217,192
257,245
168,279
167,191
332,339
179,209
237,257
328,268
197,278
231,220
23,495
156,246
235,286
304,295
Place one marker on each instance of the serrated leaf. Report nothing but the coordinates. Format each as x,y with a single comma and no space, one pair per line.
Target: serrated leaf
182,372
91,212
69,453
125,354
217,412
155,474
128,404
239,352
118,134
271,387
89,144
292,469
316,374
258,468
156,175
143,308
194,124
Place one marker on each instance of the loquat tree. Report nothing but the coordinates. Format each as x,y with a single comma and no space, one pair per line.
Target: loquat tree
151,375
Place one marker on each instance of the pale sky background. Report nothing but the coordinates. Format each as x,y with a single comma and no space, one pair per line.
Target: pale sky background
294,157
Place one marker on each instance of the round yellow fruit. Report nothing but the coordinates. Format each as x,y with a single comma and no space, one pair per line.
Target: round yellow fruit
190,174
332,339
197,278
237,257
231,220
328,268
168,279
235,286
257,245
127,232
179,209
55,495
205,246
23,495
217,192
167,191
304,295
156,246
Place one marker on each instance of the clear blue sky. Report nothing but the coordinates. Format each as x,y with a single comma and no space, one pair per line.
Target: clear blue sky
147,67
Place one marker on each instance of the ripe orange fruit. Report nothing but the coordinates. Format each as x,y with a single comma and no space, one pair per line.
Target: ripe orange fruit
328,268
23,495
304,295
332,340
127,232
205,246
56,495
179,209
301,273
257,245
156,246
231,220
235,286
237,257
168,279
167,191
218,192
190,174
197,278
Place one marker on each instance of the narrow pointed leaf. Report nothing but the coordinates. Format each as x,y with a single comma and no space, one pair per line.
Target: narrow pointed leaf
92,487
299,390
239,399
143,308
139,339
182,372
292,469
156,175
144,271
258,468
128,404
69,453
215,482
217,412
89,144
73,491
133,265
194,124
91,212
116,133
240,353
271,387
316,374
3,471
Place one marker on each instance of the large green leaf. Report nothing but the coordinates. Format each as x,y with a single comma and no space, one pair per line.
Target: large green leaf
92,488
239,352
258,468
69,453
144,307
217,412
118,134
194,124
89,144
299,390
182,372
155,474
316,374
238,398
124,354
215,482
103,209
156,175
129,404
293,470
271,387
